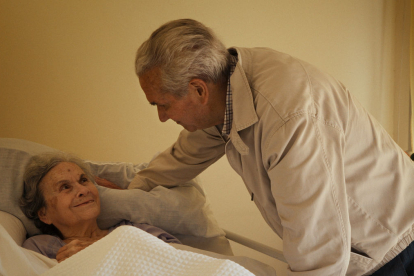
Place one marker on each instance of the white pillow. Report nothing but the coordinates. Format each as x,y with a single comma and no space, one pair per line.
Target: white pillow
16,260
13,226
179,210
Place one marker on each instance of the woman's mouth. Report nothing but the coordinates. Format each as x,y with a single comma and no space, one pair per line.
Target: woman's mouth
84,203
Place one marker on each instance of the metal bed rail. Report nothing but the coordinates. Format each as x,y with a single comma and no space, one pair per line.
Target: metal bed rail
274,253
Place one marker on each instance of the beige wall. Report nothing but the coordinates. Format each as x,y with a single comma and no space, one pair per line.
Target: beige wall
67,74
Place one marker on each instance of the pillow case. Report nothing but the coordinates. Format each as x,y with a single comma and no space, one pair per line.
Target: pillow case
178,210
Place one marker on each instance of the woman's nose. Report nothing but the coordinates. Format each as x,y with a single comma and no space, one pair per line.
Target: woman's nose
81,190
162,114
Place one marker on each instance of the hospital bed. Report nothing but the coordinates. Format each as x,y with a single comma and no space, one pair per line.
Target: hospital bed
181,211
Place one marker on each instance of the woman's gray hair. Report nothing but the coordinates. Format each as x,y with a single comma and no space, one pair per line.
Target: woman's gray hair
32,199
183,49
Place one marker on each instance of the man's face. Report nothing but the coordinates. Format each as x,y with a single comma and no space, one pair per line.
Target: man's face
186,111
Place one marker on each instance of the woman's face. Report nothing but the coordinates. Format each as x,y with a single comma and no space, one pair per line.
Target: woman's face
71,198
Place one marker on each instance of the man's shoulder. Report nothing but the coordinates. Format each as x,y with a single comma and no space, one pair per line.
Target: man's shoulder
277,81
258,53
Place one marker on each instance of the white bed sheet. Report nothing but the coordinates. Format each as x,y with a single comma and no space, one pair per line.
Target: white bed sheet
131,251
15,260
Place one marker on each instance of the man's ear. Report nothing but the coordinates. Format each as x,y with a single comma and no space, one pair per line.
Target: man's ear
43,216
201,89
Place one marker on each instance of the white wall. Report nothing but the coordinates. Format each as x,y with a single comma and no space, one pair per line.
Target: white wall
67,74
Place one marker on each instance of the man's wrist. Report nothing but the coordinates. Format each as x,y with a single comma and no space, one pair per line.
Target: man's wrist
138,183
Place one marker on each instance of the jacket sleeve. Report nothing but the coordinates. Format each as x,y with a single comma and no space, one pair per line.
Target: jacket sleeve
305,166
191,154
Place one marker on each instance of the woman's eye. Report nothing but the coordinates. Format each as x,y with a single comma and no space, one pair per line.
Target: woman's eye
84,179
64,187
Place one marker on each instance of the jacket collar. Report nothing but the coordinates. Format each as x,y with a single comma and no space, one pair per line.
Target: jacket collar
244,112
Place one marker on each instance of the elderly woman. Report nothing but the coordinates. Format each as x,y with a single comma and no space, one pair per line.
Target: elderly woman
62,199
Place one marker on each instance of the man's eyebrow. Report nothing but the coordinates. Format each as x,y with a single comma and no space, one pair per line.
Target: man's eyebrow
156,104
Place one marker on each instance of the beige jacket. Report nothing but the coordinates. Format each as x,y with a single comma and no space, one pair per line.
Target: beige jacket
327,178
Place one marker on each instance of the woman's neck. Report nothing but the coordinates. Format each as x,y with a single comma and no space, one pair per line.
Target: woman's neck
85,231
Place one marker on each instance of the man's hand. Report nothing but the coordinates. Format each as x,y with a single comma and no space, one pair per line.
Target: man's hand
106,183
72,248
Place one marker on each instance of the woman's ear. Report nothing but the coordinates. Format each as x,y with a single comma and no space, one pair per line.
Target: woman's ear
43,216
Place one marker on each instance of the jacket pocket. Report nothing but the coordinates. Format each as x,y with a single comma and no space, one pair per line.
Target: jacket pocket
358,264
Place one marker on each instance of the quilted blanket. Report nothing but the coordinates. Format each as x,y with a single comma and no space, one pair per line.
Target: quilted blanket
131,251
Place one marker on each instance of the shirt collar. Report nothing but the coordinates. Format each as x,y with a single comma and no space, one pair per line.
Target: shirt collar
228,115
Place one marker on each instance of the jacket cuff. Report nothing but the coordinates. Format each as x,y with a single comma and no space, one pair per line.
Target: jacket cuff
138,183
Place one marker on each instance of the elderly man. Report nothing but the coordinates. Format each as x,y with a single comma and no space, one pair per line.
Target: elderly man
324,174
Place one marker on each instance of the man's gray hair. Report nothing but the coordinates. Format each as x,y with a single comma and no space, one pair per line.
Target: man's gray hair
32,199
183,49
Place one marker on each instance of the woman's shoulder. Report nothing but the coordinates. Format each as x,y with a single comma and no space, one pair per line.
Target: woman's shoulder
143,226
153,230
123,222
47,245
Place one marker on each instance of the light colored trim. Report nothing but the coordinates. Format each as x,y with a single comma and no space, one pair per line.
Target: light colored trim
402,106
412,75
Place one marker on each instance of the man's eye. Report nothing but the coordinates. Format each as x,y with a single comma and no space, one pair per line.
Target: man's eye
84,179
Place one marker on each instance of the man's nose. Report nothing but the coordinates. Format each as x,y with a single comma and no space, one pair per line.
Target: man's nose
162,114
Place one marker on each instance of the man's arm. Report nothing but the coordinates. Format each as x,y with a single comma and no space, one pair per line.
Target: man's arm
106,183
191,154
306,171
